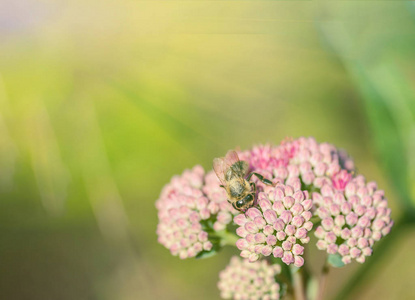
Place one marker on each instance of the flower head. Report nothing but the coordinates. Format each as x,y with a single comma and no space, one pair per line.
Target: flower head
244,280
315,164
278,226
185,205
353,218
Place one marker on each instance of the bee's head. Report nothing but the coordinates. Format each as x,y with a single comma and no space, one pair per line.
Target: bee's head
246,201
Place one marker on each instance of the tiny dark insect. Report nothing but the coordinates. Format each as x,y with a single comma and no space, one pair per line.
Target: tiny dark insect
231,172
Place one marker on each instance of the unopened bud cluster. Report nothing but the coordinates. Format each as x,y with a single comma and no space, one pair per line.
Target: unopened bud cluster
278,226
244,280
184,204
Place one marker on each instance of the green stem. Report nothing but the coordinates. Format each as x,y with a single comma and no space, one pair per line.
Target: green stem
322,281
298,283
226,237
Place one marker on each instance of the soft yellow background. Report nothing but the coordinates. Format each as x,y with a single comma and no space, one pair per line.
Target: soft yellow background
102,102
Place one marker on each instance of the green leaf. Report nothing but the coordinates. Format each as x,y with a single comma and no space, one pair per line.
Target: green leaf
207,254
335,260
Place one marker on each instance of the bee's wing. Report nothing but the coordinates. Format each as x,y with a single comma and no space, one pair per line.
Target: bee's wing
240,167
219,168
231,157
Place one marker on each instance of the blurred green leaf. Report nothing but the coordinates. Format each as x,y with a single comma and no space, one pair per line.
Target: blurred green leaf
377,61
335,260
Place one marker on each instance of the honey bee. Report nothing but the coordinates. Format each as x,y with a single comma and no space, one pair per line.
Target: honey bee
232,172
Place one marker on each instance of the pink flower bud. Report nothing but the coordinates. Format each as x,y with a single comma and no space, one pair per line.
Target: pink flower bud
279,194
334,209
339,220
307,215
307,204
271,240
297,209
286,216
301,233
346,233
357,232
240,219
290,230
323,213
330,238
260,238
343,250
240,231
253,257
289,191
268,230
253,212
207,246
270,216
242,244
338,198
260,222
378,225
250,238
367,251
320,233
298,196
251,227
286,246
332,249
281,235
265,204
278,252
288,257
308,225
355,252
327,190
298,249
298,221
321,245
351,219
245,253
288,201
298,261
346,259
327,223
352,242
278,206
258,249
305,240
346,208
202,236
266,250
364,222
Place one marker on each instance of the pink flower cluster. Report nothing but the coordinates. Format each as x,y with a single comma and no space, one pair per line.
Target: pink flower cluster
302,158
354,215
184,203
278,226
244,280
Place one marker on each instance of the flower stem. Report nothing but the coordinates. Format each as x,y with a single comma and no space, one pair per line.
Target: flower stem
322,282
226,237
298,283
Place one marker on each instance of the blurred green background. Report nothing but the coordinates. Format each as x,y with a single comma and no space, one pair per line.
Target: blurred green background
101,103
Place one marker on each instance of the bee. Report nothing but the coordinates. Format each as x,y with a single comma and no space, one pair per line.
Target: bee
231,173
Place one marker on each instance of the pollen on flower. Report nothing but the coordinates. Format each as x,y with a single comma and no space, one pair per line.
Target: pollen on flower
278,226
354,216
184,204
244,280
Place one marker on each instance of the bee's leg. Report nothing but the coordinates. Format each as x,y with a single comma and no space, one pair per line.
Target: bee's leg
261,178
233,204
253,187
